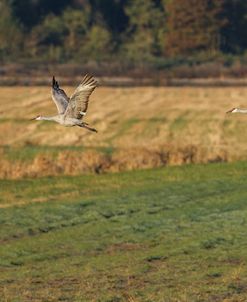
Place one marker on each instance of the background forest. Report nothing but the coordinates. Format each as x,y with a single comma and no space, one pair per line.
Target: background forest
157,34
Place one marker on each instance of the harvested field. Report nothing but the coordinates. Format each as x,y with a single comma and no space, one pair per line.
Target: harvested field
141,127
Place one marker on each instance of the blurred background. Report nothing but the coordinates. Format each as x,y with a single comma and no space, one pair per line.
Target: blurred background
181,38
153,207
163,68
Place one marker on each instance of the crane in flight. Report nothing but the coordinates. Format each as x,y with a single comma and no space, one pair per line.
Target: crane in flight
71,110
237,110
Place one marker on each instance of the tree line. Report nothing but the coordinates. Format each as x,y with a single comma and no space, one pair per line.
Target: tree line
145,32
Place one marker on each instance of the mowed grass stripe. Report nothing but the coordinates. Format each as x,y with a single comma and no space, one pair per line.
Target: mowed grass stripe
174,234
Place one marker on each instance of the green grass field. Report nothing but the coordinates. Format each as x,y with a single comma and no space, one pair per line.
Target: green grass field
173,234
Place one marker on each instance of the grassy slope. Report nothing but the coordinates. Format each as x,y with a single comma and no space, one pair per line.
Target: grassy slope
175,234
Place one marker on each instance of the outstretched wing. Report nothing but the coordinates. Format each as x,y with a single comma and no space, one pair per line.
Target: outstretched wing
78,102
59,97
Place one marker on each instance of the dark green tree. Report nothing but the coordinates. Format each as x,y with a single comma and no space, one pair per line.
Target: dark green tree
97,44
233,34
46,40
31,12
76,22
145,35
10,32
112,13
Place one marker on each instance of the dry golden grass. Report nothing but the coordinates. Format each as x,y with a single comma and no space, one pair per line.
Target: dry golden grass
146,126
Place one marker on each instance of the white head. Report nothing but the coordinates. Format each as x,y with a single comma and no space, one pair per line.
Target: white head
233,110
37,118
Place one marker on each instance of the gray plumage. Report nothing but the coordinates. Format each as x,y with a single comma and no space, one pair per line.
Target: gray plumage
72,110
59,97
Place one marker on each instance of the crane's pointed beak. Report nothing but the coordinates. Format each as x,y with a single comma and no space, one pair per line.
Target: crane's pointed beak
34,118
230,111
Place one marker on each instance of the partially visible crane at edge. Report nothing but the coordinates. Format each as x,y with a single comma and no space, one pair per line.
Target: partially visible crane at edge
237,110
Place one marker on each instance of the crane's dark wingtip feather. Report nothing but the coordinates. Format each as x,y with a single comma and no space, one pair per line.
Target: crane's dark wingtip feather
54,83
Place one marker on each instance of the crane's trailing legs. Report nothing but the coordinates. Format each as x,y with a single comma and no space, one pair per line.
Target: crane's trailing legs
85,125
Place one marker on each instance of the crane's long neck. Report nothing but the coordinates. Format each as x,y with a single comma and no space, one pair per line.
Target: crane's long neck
240,110
54,118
